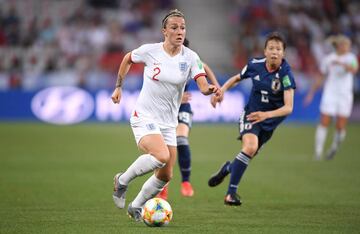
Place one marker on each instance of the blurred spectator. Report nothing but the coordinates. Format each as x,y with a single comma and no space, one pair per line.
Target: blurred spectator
44,42
47,36
306,25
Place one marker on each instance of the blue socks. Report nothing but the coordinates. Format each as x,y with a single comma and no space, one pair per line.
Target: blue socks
238,167
184,157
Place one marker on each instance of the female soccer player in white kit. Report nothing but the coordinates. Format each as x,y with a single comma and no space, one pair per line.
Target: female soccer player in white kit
168,65
339,68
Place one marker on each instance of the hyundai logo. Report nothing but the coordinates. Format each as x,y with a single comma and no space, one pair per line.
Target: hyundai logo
62,105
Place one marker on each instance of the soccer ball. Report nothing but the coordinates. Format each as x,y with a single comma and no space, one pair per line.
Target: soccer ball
157,212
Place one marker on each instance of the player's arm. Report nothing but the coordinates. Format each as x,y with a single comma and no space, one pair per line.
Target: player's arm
210,75
317,83
234,80
123,70
206,88
286,109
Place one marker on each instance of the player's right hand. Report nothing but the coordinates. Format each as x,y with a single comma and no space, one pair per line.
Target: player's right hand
116,95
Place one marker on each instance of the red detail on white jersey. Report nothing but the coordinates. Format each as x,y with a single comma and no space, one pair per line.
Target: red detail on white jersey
198,75
135,114
157,72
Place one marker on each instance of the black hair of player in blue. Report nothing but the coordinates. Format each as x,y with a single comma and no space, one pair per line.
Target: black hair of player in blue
186,42
276,36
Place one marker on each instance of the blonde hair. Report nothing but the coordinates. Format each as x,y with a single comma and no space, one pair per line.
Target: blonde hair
336,40
174,12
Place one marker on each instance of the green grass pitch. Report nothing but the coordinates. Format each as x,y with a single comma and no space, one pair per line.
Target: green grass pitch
58,179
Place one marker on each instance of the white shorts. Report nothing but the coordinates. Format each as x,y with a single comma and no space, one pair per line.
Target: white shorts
336,105
143,126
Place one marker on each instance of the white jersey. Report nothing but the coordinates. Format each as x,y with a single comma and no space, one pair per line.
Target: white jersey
164,81
338,80
337,97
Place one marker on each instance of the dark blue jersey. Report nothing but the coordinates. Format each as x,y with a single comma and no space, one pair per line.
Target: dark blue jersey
186,87
185,107
267,92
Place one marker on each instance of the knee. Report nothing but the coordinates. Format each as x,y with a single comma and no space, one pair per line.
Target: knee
250,149
325,121
161,155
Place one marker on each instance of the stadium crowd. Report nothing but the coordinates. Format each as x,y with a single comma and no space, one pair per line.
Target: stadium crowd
305,24
45,42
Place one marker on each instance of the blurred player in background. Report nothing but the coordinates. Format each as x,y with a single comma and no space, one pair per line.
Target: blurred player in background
270,101
168,66
339,69
182,136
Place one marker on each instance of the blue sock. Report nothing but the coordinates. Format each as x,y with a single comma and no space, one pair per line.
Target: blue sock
184,157
238,167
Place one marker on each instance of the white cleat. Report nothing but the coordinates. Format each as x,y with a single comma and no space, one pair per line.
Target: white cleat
119,192
317,157
134,212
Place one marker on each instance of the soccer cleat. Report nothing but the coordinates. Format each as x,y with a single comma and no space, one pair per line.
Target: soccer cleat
186,189
232,199
134,212
164,193
317,157
219,176
331,154
119,192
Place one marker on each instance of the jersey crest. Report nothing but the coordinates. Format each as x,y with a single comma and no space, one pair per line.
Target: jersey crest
275,84
182,66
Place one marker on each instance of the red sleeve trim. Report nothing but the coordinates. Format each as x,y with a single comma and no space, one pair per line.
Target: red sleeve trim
198,75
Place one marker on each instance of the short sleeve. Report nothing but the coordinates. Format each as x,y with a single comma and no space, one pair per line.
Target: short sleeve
354,62
248,71
138,54
196,67
288,80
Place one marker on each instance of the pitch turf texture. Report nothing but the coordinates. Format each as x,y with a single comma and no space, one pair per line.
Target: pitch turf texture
56,179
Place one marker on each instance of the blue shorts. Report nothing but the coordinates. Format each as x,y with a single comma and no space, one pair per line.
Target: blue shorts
185,114
247,127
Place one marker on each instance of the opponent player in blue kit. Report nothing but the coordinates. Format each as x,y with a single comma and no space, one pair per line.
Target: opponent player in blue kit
271,100
182,135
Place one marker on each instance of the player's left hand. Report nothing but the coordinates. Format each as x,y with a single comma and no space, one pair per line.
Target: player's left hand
256,117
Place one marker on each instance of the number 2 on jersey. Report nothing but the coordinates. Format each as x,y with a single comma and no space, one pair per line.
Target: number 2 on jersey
157,72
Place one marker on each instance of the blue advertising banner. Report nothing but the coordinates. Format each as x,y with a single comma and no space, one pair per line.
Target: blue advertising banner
69,105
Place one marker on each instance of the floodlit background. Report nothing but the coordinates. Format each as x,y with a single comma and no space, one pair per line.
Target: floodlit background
78,43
